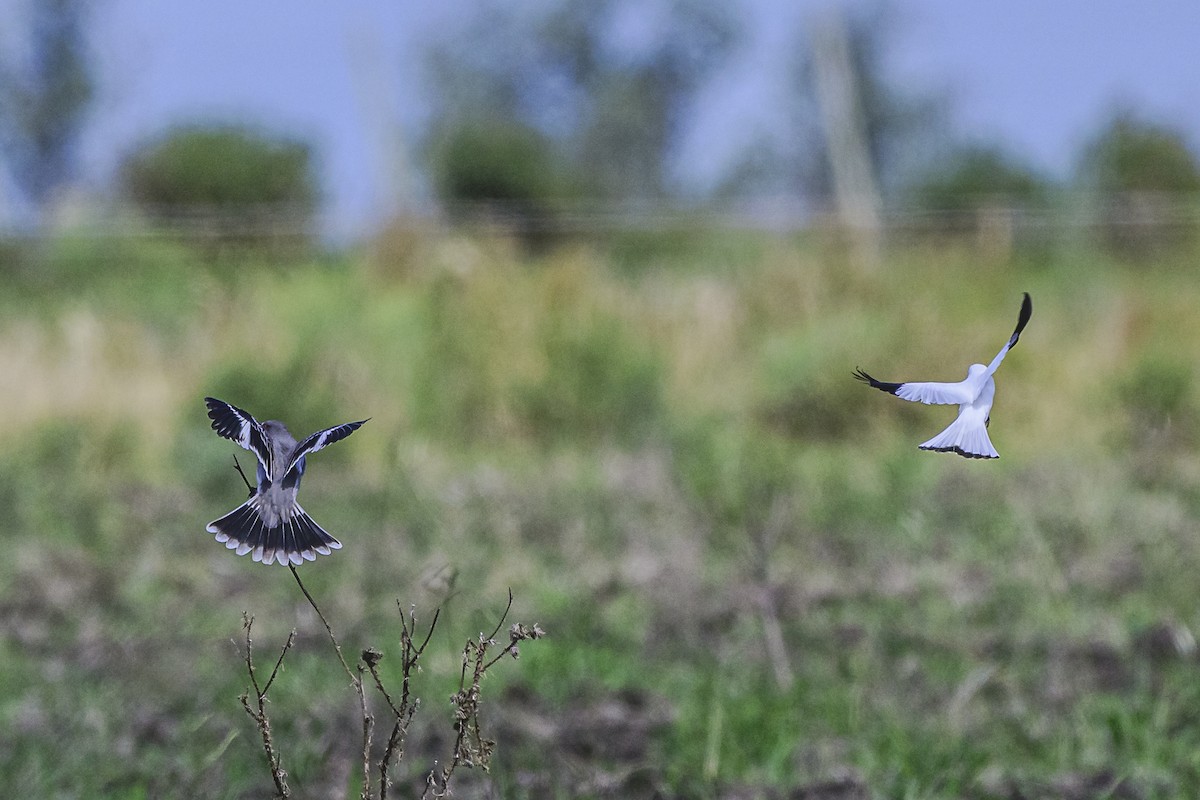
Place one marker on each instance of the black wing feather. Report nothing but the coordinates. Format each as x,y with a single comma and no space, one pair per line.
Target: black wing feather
322,439
239,426
883,386
1022,319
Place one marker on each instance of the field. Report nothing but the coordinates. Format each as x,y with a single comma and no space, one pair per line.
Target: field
753,583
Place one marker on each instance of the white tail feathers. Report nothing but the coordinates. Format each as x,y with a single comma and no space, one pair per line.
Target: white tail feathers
293,541
967,436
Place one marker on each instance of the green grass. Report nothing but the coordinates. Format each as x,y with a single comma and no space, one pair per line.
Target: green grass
643,439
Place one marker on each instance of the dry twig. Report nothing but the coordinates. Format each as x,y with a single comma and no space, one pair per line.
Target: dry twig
471,749
410,653
368,720
259,712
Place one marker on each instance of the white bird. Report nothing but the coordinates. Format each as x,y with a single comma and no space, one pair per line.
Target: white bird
967,435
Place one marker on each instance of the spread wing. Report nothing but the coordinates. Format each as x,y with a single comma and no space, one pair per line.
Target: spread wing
1022,321
235,424
927,392
321,440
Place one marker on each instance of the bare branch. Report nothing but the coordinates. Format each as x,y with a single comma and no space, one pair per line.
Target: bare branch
409,656
336,645
259,714
368,721
279,662
471,749
503,616
238,467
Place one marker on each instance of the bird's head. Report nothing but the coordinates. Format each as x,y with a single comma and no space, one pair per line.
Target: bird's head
975,369
275,429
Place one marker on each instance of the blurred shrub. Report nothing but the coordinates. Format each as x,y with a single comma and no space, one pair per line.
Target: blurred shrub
454,394
733,473
226,183
1158,395
985,193
506,352
599,383
975,180
979,178
62,487
155,282
808,389
1147,183
502,171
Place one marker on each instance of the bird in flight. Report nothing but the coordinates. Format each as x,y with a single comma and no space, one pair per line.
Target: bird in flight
967,435
271,525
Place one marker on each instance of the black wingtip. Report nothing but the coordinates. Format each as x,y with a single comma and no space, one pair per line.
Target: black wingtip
1023,318
219,413
217,407
883,386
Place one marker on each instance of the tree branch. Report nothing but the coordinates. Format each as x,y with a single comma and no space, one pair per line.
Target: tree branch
368,721
259,714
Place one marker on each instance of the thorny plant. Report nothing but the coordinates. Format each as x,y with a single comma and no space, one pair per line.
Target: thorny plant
471,748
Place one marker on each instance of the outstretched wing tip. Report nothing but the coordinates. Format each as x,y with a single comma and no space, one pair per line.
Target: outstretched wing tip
322,439
1026,313
231,422
883,386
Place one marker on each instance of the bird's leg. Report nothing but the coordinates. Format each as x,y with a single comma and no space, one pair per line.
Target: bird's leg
238,467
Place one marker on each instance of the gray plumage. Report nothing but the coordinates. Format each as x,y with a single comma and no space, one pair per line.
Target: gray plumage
271,525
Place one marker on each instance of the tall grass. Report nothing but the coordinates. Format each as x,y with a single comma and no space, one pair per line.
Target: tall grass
661,450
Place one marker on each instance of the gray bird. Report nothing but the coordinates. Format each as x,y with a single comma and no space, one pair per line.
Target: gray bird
271,524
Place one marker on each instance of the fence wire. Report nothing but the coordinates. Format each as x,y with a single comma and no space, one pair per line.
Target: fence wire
1070,213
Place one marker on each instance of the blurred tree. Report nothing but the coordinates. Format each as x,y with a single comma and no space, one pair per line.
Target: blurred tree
1134,155
978,177
900,124
235,182
219,167
501,167
983,191
46,89
606,83
1146,181
1146,185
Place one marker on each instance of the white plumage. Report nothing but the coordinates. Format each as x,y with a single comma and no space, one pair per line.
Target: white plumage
967,435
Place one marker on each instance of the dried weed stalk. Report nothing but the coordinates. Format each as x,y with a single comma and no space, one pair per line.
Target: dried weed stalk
471,748
259,712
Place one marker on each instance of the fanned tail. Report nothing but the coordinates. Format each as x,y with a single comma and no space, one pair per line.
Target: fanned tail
965,436
292,541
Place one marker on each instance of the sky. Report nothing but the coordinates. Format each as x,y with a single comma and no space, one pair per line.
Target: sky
1037,76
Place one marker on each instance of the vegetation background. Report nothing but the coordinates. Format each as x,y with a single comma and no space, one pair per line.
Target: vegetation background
638,415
